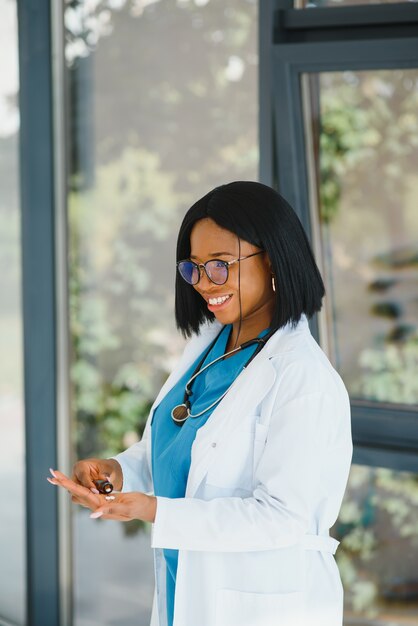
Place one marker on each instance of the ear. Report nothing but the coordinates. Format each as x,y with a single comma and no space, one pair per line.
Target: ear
268,263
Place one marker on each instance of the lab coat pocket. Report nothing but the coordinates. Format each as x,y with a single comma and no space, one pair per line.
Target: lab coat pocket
232,466
241,608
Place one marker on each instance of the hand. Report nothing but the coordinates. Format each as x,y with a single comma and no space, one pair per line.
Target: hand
87,471
117,506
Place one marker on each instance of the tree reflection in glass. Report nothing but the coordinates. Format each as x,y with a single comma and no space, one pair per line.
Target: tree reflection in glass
365,138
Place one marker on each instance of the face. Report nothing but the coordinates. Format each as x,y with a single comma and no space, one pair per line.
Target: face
210,241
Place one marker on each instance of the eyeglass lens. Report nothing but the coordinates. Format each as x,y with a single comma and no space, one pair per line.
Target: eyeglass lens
217,271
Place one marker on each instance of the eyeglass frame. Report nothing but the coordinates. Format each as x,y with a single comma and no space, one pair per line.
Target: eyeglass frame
203,265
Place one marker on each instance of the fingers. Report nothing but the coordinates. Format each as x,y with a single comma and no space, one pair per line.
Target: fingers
63,480
88,471
114,506
83,494
84,473
82,503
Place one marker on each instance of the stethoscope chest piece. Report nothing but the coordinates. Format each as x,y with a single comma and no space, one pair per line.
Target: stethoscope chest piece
180,413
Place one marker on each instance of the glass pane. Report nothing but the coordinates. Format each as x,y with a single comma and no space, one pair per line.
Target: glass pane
308,4
12,444
153,127
377,557
363,133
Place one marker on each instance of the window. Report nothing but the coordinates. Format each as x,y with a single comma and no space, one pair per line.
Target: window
339,139
152,128
362,130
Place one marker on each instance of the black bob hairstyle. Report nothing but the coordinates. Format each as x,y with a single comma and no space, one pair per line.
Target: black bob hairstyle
261,216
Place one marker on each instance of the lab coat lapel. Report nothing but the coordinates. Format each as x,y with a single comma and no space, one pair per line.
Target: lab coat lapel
195,348
192,351
248,390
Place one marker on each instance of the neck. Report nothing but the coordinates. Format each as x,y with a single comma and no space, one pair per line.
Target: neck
248,331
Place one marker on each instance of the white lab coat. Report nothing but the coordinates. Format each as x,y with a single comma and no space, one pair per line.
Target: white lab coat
268,473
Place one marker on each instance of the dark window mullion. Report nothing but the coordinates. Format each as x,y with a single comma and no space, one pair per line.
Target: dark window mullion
346,55
385,425
38,295
366,16
375,456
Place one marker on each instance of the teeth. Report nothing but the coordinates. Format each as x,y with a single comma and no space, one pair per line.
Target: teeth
218,300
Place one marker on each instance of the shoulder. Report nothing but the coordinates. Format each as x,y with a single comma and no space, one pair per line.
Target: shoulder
307,389
302,367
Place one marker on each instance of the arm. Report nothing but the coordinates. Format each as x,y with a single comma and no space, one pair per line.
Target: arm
289,485
134,464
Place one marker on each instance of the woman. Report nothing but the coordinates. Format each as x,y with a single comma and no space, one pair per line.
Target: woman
243,464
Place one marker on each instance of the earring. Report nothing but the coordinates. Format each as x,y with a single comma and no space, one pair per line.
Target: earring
273,282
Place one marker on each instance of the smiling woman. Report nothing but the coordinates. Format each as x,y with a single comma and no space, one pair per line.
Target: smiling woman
272,236
242,490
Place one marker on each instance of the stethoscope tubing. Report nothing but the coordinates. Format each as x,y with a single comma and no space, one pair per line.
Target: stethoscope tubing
261,341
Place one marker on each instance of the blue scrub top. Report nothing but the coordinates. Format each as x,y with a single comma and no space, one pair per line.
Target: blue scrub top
171,444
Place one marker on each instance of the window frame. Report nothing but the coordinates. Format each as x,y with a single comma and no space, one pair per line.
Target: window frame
294,42
43,245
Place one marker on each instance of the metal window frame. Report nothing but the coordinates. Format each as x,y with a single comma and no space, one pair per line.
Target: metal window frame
45,308
38,297
294,42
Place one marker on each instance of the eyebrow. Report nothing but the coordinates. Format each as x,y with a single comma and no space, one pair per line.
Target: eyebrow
213,254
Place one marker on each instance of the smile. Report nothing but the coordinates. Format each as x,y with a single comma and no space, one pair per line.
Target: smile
219,300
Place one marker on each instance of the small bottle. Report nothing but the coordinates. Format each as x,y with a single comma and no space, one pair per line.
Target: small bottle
103,486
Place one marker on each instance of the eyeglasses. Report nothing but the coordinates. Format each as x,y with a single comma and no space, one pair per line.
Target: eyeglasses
216,270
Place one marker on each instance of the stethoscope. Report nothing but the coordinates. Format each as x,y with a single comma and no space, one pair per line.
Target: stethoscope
182,412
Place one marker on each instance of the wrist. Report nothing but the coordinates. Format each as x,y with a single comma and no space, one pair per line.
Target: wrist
151,509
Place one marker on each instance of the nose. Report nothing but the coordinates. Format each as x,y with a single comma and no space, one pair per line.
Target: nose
204,279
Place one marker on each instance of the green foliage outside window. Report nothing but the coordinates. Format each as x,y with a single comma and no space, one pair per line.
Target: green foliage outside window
365,156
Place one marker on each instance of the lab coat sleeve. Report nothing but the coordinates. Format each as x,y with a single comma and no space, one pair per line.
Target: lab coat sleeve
135,467
302,443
